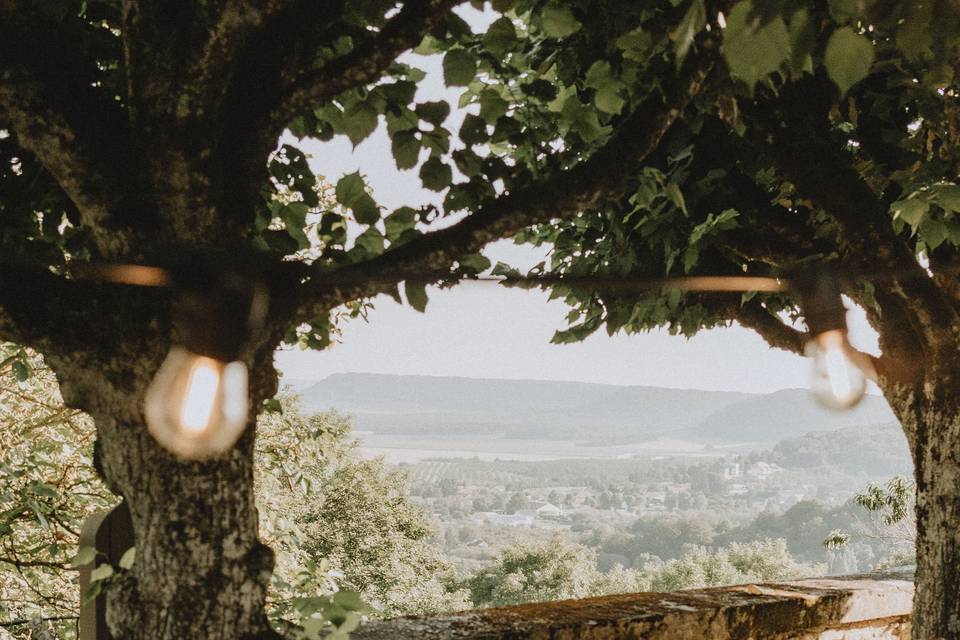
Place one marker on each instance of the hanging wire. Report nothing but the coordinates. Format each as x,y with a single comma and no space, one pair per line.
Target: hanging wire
684,283
132,274
155,276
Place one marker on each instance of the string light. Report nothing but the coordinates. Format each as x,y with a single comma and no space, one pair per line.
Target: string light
840,372
197,404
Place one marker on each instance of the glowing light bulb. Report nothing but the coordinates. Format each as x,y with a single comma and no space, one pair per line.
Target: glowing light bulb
196,406
839,381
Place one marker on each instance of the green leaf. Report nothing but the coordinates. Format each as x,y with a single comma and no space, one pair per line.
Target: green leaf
600,77
128,558
848,58
754,51
437,141
93,590
492,106
473,130
436,175
416,293
350,600
690,258
85,555
399,221
359,121
635,44
543,90
501,37
694,20
428,46
948,197
370,242
476,262
933,232
459,68
349,189
294,216
803,40
401,92
406,149
102,572
21,370
351,193
272,405
558,20
676,196
915,35
433,112
468,162
911,211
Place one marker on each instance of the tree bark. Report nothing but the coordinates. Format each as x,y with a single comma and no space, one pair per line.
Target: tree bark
200,569
931,420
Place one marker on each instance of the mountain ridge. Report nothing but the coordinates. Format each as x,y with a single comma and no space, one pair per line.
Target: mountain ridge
449,405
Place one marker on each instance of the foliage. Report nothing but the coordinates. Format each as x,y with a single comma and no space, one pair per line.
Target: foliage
557,568
889,519
717,198
637,139
334,516
47,487
551,569
340,524
761,560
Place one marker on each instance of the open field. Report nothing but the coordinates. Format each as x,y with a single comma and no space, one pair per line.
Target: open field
397,448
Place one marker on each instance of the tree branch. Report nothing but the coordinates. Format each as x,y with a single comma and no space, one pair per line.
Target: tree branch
803,147
602,177
243,42
753,315
75,130
365,64
59,319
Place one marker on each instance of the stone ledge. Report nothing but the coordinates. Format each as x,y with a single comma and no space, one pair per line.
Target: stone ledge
861,607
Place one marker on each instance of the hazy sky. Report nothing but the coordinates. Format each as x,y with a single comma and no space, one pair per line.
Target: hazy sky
482,330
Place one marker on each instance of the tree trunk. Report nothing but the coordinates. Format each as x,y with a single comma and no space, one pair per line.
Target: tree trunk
200,570
932,425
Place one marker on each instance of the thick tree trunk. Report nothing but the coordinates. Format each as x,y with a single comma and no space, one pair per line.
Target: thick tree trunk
932,425
200,570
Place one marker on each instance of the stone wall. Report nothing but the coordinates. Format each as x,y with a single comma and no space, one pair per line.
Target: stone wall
871,606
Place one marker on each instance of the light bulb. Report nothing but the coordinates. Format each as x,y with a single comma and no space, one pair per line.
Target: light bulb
839,382
196,406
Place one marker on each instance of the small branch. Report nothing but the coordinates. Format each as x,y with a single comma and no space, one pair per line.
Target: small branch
779,335
60,318
22,621
365,64
60,566
602,177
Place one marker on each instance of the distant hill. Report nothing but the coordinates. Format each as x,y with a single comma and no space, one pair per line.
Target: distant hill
592,413
785,414
513,408
881,451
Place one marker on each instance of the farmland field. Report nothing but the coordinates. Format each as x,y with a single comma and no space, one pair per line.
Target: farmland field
398,448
